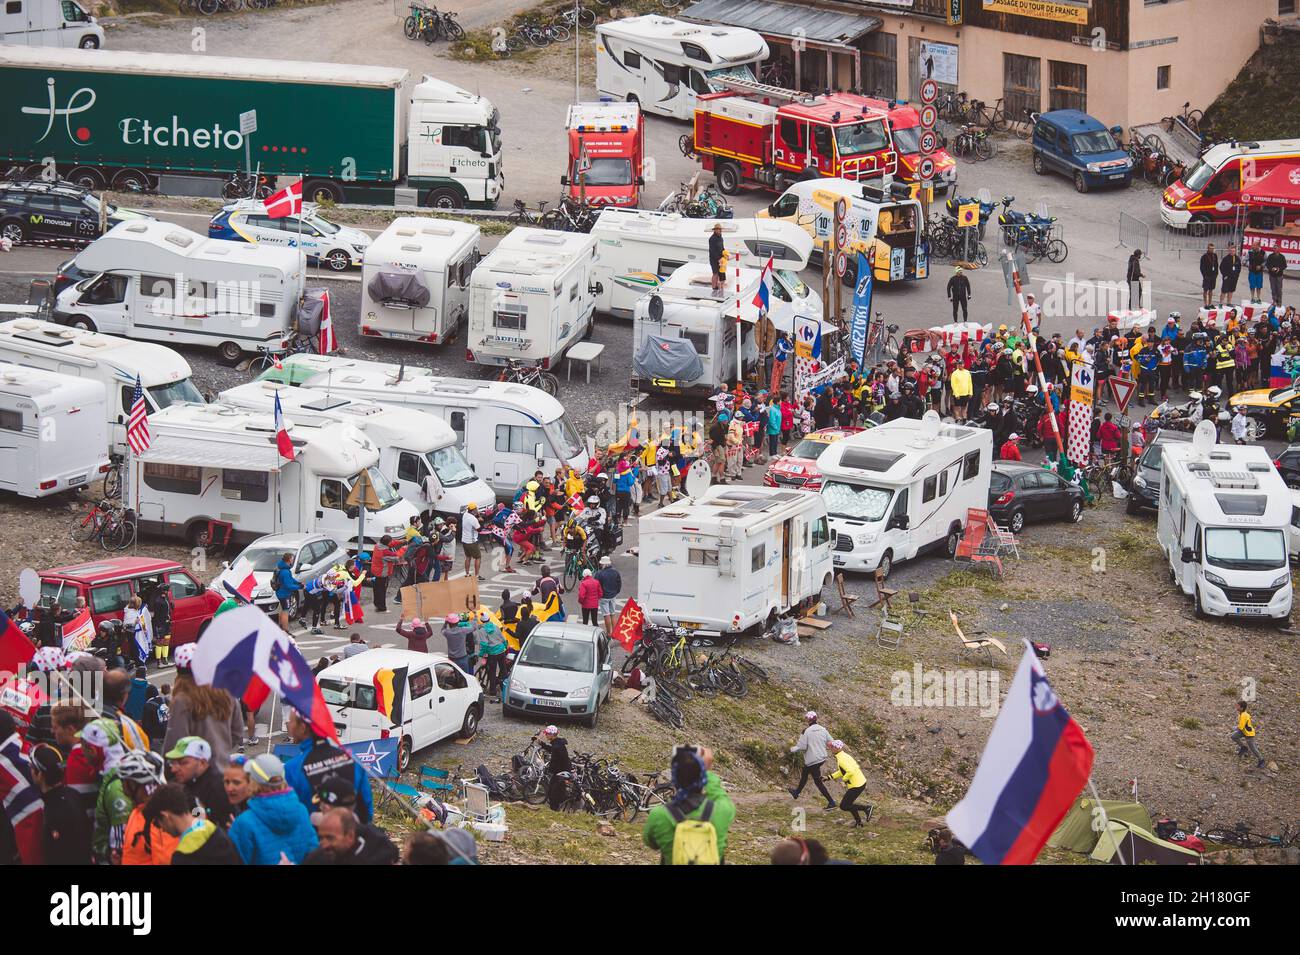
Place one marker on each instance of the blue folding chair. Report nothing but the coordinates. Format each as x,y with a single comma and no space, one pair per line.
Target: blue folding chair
436,781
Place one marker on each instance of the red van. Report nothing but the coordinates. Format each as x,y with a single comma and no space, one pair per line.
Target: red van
109,584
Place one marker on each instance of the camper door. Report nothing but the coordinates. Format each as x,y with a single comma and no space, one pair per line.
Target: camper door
898,533
289,503
455,306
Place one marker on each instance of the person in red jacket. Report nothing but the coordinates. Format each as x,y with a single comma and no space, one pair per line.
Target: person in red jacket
1011,448
1110,435
589,594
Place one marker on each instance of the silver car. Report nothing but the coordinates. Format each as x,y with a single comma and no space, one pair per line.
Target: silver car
313,554
563,669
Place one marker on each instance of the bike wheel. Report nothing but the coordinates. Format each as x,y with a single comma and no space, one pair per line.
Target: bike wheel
752,669
559,33
84,528
686,143
410,27
454,30
548,383
429,34
586,17
570,578
113,483
233,189
981,255
514,43
732,682
1057,250
985,148
209,7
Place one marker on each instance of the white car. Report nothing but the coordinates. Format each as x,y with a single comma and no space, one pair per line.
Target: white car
335,246
439,699
313,554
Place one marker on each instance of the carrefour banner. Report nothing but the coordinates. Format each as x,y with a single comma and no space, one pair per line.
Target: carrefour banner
1062,11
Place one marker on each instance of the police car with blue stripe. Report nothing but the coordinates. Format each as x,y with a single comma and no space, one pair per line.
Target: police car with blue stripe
334,246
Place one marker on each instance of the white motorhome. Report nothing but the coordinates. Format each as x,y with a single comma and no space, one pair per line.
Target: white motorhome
114,362
532,297
219,463
157,281
903,487
417,451
49,23
664,64
637,250
415,279
733,558
506,431
439,699
53,431
685,342
1224,521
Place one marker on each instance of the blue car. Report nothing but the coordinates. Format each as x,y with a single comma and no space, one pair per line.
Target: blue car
1074,144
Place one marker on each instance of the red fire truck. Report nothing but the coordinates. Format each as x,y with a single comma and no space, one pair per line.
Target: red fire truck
606,154
773,136
905,127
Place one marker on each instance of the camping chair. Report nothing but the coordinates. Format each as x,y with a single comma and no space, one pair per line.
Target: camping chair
477,802
976,644
890,632
1004,539
979,546
436,781
846,600
883,594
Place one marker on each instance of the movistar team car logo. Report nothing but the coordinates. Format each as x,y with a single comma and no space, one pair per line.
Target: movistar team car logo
36,219
80,101
637,280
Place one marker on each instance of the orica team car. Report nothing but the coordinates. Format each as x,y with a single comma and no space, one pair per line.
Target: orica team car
35,211
335,246
1270,407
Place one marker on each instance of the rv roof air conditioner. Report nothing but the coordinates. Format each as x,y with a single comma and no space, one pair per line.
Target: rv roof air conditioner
137,227
179,239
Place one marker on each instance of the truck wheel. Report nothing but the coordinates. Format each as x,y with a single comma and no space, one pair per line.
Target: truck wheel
469,726
89,43
954,538
131,180
230,352
87,177
444,198
82,322
1038,164
338,260
632,98
728,176
886,564
1199,225
322,190
15,232
403,754
1080,182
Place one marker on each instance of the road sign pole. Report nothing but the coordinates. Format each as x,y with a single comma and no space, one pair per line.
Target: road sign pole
840,207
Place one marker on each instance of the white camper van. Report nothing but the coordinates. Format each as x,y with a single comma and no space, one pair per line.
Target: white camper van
902,487
114,362
532,297
53,431
417,451
637,250
733,558
506,431
1225,516
209,463
415,279
684,337
664,64
49,23
157,281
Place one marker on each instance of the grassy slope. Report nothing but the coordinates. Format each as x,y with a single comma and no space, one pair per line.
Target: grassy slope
1263,102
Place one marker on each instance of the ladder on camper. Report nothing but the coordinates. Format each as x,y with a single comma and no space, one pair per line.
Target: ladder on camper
738,84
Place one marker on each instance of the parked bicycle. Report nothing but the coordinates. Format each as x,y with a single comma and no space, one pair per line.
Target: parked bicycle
974,143
109,523
244,185
518,372
113,477
522,215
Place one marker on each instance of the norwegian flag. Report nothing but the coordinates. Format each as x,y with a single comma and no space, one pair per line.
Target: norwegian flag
763,297
21,801
137,426
282,440
326,343
286,202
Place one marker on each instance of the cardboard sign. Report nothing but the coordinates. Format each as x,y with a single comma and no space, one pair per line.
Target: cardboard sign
435,599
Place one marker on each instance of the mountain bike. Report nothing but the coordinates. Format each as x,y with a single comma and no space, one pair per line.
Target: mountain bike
112,525
522,215
516,372
113,477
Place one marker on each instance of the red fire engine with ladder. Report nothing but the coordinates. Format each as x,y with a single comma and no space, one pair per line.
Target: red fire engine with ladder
774,136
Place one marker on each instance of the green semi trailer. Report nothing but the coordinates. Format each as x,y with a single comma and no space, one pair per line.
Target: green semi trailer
144,122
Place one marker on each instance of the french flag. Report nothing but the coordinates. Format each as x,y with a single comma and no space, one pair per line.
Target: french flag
1035,764
282,439
246,654
763,297
240,582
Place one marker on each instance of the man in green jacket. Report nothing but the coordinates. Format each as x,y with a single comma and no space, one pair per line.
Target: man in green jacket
696,784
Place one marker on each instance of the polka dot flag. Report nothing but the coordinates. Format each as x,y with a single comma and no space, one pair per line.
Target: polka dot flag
1079,441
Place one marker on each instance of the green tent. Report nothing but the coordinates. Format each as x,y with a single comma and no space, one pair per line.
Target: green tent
1137,846
1076,831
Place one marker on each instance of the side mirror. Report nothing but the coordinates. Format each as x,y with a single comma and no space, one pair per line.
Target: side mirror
771,209
640,180
1117,130
564,180
352,512
900,521
1187,556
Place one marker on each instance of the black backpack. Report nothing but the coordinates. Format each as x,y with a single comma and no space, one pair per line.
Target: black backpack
155,717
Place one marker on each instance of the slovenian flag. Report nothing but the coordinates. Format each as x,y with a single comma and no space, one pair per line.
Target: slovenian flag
763,297
240,582
244,652
1278,376
282,439
1035,764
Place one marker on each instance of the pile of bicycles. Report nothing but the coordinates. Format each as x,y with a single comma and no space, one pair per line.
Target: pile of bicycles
107,522
430,24
569,216
1151,158
948,241
683,667
708,203
974,143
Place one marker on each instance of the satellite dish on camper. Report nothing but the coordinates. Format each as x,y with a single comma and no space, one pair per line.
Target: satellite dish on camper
698,478
656,308
29,587
1204,438
930,424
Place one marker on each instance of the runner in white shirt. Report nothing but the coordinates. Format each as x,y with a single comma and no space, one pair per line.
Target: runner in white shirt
469,540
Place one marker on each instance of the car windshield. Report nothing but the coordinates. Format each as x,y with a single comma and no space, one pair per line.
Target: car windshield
450,466
1235,548
908,140
808,448
1199,175
92,203
1097,141
557,653
263,559
59,592
1280,395
856,502
865,137
738,72
1152,456
792,282
325,228
606,172
175,393
564,440
383,490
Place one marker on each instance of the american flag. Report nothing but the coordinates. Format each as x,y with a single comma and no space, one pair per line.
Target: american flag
137,429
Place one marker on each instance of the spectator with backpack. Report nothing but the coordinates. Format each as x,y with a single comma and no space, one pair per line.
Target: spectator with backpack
154,716
692,829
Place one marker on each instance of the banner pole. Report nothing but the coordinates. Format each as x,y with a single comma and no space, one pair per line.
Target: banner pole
1038,364
1105,821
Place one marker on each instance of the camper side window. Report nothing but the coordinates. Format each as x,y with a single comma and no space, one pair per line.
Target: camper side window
763,249
173,478
820,532
249,485
14,6
11,420
631,60
510,316
516,439
411,467
930,488
700,340
157,286
943,482
457,421
674,73
573,292
758,557
970,466
332,494
702,557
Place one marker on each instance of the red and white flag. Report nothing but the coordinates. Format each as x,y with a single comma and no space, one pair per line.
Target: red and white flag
286,202
282,440
326,343
239,582
629,628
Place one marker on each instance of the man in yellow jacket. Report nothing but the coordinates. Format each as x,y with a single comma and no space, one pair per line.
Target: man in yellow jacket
854,781
960,384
